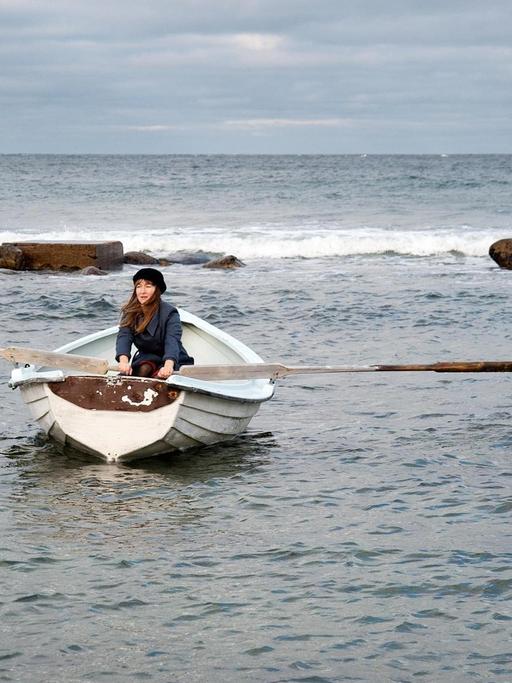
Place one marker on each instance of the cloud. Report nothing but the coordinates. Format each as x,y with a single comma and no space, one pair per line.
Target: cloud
96,76
252,124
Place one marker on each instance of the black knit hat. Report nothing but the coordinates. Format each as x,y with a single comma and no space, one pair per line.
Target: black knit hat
152,275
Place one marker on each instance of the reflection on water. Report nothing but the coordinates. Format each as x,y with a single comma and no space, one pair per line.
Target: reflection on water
66,494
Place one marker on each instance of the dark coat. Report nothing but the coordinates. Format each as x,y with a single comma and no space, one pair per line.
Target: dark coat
160,341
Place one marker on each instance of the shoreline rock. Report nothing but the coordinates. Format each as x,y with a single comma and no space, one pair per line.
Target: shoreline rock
11,257
191,258
92,270
501,253
227,262
139,258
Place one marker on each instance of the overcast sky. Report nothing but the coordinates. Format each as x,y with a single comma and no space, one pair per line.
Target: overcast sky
256,76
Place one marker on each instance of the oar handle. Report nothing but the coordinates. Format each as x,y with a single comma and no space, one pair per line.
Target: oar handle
454,366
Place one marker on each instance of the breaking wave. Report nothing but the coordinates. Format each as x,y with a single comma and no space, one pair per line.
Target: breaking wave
278,242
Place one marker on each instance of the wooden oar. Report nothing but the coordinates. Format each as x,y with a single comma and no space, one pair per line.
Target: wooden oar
277,370
18,354
99,366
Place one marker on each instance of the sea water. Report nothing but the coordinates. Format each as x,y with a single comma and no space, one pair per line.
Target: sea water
360,529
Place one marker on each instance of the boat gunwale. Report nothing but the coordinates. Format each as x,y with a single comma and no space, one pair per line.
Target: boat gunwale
149,380
241,390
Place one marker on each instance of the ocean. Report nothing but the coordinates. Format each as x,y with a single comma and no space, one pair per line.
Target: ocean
360,529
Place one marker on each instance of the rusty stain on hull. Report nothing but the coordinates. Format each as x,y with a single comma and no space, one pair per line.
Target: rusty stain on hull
129,394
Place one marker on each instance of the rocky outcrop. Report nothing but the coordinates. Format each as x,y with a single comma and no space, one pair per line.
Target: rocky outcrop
226,262
140,258
69,256
11,257
501,252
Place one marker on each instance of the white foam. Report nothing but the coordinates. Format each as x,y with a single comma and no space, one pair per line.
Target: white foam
279,242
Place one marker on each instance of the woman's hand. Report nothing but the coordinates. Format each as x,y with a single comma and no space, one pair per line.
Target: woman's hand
124,365
167,369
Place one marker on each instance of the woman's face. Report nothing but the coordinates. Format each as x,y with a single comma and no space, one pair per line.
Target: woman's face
144,290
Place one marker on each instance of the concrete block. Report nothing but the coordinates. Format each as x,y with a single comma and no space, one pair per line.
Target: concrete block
70,255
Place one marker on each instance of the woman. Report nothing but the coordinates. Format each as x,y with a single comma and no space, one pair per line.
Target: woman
153,326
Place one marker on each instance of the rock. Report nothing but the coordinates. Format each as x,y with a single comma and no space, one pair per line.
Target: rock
92,270
226,262
140,258
11,257
191,258
70,256
501,252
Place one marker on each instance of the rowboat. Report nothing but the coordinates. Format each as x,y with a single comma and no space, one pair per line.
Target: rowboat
120,419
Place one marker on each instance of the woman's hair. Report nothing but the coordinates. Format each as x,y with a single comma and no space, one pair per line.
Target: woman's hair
136,317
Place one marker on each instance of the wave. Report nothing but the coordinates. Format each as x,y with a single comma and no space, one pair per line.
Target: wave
265,242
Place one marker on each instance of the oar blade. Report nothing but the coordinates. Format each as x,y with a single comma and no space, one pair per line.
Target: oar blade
212,373
17,354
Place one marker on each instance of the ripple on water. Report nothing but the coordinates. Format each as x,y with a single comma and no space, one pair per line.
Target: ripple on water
358,530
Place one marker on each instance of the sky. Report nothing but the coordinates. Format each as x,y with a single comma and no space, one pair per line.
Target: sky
256,76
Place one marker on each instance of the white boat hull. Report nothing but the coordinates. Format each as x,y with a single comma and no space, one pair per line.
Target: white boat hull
120,419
